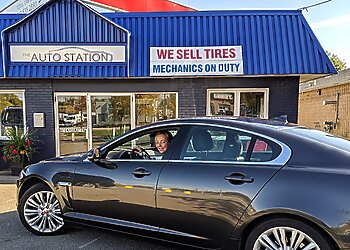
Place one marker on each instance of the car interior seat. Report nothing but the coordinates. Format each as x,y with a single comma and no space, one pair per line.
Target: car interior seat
233,148
202,142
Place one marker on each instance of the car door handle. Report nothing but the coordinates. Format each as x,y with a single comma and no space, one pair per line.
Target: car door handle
238,178
140,172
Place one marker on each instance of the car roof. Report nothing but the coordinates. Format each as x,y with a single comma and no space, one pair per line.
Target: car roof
278,123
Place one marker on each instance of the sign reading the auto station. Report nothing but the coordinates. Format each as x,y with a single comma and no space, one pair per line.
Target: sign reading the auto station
67,54
23,6
179,61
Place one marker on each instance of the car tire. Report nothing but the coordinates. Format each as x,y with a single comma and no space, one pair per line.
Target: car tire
40,211
285,234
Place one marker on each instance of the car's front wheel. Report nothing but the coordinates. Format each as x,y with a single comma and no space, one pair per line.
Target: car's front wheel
40,211
286,234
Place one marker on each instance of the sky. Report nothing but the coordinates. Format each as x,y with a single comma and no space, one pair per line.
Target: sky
329,21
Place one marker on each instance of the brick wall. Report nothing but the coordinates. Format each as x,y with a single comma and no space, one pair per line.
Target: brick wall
312,112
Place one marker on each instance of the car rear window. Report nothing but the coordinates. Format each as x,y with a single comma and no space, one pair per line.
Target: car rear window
222,144
322,137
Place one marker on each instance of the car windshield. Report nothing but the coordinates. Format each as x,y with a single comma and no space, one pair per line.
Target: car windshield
323,137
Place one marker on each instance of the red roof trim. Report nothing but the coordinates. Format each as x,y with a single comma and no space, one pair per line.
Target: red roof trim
142,5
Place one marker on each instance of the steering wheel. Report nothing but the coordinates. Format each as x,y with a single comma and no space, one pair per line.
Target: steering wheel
140,155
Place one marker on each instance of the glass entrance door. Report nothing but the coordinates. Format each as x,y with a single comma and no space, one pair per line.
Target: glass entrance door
72,124
89,120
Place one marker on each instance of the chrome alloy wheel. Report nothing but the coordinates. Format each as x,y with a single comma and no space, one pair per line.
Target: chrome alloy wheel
42,212
284,238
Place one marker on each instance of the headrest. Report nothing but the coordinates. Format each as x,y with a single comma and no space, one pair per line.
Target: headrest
202,140
233,146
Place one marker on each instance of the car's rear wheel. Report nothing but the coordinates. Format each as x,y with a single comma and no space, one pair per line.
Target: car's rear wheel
40,211
286,234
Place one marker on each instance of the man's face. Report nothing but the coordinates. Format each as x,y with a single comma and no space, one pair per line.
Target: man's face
161,143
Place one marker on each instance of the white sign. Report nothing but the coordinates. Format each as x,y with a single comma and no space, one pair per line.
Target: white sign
72,130
23,6
223,96
59,54
181,61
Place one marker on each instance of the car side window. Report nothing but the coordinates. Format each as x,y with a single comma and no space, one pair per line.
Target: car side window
124,150
264,150
221,144
213,144
146,142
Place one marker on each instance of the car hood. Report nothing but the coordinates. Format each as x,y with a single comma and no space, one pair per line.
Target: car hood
72,157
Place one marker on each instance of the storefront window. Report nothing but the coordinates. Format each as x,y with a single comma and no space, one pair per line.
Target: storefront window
12,112
110,117
252,104
155,107
238,102
222,104
72,124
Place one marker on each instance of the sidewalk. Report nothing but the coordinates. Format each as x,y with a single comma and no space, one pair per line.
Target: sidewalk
7,198
7,178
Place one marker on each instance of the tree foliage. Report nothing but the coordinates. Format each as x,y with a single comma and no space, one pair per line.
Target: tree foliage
338,63
7,100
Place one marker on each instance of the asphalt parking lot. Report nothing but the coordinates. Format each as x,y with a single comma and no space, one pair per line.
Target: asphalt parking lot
14,236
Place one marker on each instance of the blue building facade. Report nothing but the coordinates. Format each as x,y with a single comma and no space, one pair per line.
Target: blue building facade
82,77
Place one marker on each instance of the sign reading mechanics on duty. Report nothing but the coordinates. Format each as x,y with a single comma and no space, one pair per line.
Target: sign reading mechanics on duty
185,61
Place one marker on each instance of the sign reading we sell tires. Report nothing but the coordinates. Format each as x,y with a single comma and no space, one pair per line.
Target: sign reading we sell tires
180,61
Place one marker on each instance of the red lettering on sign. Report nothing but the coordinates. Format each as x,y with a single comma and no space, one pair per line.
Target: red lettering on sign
207,53
232,53
188,54
179,54
165,54
216,53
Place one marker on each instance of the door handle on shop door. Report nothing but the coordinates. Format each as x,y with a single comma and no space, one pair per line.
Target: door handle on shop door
238,178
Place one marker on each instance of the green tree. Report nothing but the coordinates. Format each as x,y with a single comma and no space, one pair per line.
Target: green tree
337,62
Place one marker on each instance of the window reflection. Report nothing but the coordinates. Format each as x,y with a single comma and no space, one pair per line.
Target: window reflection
110,117
11,108
72,124
155,107
252,104
222,104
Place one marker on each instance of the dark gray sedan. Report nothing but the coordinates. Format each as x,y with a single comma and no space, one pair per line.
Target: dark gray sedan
243,183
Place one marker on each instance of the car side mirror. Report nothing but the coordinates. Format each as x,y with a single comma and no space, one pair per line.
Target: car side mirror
94,154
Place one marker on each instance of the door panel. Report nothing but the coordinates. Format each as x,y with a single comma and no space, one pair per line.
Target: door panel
206,187
116,192
196,199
